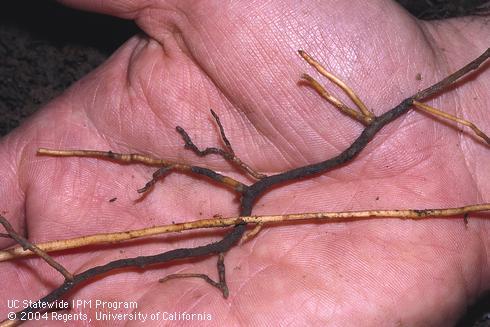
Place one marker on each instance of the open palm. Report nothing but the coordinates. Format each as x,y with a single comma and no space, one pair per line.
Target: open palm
239,58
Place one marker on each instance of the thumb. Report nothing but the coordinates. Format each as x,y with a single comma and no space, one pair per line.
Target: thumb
13,198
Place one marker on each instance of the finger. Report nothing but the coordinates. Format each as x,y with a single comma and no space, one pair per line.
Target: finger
121,8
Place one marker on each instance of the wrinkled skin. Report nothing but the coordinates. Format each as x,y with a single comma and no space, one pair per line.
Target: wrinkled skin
240,59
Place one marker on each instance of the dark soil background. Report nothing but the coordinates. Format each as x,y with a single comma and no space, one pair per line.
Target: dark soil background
45,47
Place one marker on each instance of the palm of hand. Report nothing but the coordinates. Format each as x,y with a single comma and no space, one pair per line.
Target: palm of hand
234,60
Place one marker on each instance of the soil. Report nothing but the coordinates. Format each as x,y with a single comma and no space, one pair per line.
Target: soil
45,48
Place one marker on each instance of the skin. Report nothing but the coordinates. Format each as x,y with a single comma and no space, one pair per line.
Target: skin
239,58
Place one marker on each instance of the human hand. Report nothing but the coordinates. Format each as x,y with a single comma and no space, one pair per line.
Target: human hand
240,59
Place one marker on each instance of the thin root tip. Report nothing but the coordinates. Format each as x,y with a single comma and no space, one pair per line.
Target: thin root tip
214,114
306,56
303,54
306,77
